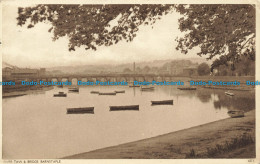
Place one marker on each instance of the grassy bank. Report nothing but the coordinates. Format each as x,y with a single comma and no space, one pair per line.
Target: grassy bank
229,146
228,138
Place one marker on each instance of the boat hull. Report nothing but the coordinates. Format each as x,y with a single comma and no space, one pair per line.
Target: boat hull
129,107
236,113
187,88
73,90
89,110
163,102
119,91
112,93
60,95
147,89
229,94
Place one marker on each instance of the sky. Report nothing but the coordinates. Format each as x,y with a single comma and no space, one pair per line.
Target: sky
34,47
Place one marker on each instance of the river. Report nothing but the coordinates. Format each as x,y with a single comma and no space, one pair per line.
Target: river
37,126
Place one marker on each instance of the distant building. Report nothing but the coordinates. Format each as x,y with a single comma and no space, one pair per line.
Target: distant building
22,72
6,72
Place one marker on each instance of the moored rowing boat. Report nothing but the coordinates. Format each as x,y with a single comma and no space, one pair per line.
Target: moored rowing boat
187,88
119,91
236,113
126,107
229,93
147,89
60,94
162,102
107,93
134,85
80,110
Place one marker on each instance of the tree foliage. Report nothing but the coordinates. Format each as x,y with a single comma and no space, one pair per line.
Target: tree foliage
245,67
90,25
225,30
203,69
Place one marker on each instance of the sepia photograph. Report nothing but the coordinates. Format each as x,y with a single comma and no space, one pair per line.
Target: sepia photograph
129,81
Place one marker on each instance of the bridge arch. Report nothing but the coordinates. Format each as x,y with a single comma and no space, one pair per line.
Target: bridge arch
54,79
73,80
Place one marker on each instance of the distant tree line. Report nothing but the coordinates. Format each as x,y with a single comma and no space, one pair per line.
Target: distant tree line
174,67
245,67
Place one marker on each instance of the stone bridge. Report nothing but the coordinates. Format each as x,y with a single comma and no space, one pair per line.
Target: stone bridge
100,77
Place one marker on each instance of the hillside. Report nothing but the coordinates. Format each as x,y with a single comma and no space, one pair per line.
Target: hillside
120,67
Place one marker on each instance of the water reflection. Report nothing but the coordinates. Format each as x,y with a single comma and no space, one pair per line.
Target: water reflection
241,101
41,119
204,95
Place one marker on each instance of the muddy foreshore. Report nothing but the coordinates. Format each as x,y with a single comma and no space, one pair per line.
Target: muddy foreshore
198,140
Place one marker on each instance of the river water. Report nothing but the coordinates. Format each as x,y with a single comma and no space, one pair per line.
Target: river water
37,126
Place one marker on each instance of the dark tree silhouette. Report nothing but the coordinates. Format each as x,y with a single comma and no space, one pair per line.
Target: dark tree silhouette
227,30
203,69
218,30
90,25
218,62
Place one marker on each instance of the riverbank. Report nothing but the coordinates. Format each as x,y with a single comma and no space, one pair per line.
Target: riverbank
241,79
198,140
25,92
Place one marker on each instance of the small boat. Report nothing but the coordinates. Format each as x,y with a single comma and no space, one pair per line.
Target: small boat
229,93
134,85
162,102
60,94
94,92
147,89
60,86
127,107
107,93
236,113
189,88
119,91
74,89
80,110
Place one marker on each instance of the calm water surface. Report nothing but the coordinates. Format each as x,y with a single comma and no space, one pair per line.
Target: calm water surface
37,126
